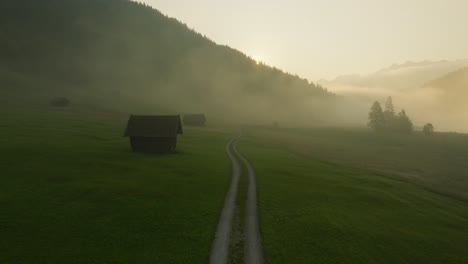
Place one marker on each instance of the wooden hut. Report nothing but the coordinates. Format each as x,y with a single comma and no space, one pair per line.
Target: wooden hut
194,120
153,134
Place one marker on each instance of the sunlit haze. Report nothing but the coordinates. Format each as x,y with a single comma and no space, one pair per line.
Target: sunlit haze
225,132
324,38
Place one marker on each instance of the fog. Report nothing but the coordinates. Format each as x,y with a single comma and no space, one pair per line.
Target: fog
131,58
324,38
430,92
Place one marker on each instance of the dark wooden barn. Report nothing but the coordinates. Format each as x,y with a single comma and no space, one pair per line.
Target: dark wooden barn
195,120
153,134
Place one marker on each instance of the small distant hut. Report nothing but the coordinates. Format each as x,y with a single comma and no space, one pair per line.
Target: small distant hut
194,120
153,134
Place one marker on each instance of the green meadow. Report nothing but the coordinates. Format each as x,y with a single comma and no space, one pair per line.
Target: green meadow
438,163
314,209
73,192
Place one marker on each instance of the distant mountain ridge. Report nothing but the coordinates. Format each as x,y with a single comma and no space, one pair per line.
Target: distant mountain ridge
400,76
453,88
450,99
409,64
456,80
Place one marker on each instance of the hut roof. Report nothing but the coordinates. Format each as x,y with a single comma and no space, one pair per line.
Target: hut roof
153,126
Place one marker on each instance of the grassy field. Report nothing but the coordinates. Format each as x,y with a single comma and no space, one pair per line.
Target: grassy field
438,163
319,212
73,192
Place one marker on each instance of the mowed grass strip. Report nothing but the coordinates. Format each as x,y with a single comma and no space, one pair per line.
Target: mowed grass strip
73,192
313,212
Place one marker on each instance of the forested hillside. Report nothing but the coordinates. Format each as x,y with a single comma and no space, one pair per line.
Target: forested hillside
129,57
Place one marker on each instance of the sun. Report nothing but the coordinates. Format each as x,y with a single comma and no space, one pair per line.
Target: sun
257,59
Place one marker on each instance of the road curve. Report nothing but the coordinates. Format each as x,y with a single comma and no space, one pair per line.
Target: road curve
253,241
220,249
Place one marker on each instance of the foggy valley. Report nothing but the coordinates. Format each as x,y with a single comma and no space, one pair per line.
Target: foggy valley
171,131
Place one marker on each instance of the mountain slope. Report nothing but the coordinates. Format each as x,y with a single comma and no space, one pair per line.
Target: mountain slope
453,82
453,89
442,101
125,55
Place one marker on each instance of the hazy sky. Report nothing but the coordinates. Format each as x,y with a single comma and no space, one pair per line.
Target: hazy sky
324,38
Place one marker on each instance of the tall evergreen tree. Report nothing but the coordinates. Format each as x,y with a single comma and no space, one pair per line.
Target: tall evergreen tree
389,108
389,114
376,118
403,123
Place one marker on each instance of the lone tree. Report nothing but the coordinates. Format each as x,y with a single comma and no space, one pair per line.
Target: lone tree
376,118
404,124
428,129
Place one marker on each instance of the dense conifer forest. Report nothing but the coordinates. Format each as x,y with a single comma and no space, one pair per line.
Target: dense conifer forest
127,56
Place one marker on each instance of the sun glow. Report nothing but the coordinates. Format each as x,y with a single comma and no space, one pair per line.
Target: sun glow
257,59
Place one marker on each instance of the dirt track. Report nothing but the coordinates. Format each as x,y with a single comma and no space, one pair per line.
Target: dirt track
253,246
219,251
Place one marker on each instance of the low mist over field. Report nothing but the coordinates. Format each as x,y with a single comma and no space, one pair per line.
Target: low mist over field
376,48
234,132
128,56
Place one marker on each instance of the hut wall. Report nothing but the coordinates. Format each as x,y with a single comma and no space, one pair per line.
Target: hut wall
153,145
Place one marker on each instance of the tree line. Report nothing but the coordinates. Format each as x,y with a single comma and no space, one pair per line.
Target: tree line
387,120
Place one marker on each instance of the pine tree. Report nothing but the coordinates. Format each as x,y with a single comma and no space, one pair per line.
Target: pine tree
389,108
404,124
389,114
376,118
